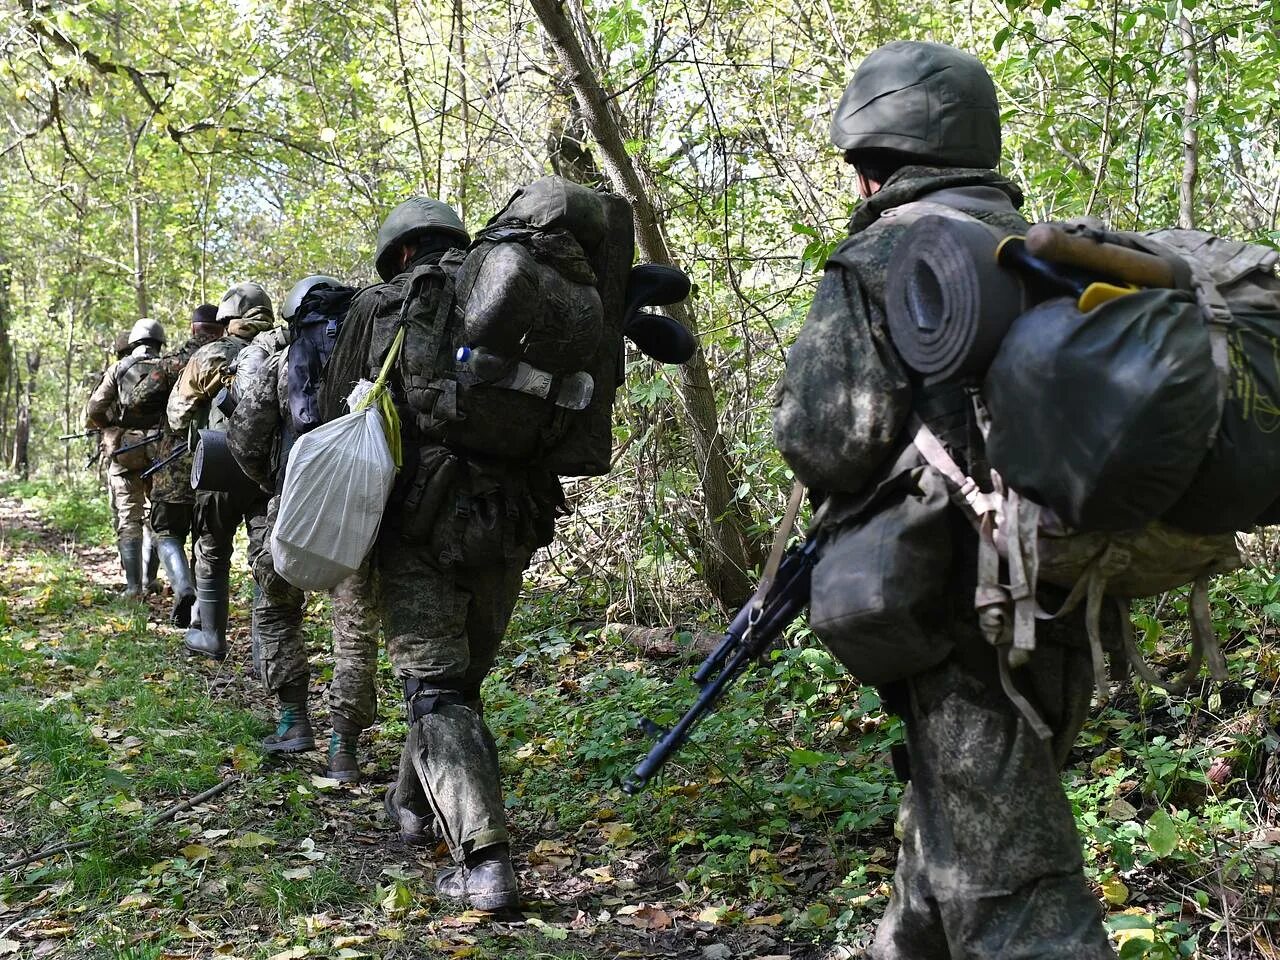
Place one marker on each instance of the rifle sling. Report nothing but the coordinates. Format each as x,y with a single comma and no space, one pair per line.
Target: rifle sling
779,545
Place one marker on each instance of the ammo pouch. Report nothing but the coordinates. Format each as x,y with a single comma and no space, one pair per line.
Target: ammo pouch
877,593
470,515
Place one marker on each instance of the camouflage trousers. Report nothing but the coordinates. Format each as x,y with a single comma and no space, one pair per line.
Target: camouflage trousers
129,494
444,626
280,648
990,865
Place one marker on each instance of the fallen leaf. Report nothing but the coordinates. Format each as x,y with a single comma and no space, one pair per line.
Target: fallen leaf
293,953
300,873
645,918
618,834
351,941
1114,891
1122,810
9,946
195,852
769,920
251,840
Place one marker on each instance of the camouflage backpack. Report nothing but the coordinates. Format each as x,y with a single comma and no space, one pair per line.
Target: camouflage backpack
143,385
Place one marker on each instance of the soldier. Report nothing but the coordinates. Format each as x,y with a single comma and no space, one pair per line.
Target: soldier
128,491
246,309
172,499
444,608
990,863
269,417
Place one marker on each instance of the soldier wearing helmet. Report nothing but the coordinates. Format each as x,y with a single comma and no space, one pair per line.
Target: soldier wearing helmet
108,411
443,611
172,499
276,377
990,863
246,309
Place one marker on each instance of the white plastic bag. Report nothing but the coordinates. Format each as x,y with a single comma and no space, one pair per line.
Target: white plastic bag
336,487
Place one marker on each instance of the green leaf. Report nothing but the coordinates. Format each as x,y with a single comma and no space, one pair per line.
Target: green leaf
806,758
1000,38
1162,834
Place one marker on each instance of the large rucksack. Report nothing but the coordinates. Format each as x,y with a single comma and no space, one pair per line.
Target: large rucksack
1064,403
142,390
518,355
314,330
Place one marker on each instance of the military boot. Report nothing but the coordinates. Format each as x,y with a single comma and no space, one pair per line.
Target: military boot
344,757
293,731
486,880
131,561
150,561
209,638
176,568
408,811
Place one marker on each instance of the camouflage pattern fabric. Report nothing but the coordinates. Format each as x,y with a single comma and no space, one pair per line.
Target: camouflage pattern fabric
170,519
280,647
353,694
448,575
173,483
254,436
128,503
990,865
128,492
206,372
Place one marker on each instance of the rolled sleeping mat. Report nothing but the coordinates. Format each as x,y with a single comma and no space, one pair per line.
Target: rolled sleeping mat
214,468
948,302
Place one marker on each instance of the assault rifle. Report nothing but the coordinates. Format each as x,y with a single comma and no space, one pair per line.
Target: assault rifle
141,443
752,633
176,453
80,436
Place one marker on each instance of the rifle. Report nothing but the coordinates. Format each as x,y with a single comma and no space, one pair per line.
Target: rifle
141,443
80,436
754,629
177,452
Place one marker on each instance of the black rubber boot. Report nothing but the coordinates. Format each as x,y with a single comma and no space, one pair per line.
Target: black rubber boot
417,828
131,561
293,731
209,639
487,881
344,755
174,557
150,561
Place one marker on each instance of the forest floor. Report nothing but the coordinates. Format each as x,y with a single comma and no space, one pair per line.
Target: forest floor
772,836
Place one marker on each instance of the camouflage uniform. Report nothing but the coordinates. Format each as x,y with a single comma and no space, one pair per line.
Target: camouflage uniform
990,864
449,562
173,500
217,514
129,493
257,436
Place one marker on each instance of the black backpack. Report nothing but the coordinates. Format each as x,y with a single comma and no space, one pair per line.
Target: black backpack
315,330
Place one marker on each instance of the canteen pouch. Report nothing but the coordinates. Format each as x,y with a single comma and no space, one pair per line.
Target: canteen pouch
878,593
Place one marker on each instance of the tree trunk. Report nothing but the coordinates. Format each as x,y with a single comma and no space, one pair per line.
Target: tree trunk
139,255
22,431
1190,131
729,554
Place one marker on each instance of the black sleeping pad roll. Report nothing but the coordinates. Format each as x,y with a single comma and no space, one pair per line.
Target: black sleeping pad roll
1104,417
1238,485
948,303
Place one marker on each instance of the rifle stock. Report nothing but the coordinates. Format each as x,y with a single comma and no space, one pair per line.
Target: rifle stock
754,629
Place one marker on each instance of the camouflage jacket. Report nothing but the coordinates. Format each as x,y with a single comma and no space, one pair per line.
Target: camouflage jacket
207,371
846,396
103,413
255,433
173,483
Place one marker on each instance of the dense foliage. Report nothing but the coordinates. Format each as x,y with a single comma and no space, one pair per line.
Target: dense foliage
155,152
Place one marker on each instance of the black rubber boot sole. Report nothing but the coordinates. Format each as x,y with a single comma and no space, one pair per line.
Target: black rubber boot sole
181,616
293,745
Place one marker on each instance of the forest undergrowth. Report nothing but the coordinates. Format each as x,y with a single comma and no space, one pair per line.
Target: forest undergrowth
770,836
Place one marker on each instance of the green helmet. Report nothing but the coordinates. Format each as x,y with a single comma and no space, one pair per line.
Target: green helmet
298,292
240,299
146,329
407,222
929,102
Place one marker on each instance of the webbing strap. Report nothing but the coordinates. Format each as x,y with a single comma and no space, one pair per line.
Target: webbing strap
965,492
779,545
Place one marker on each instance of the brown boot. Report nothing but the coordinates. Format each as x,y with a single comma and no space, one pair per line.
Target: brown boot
487,881
344,756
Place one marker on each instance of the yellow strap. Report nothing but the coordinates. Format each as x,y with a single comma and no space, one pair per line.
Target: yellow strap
382,397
